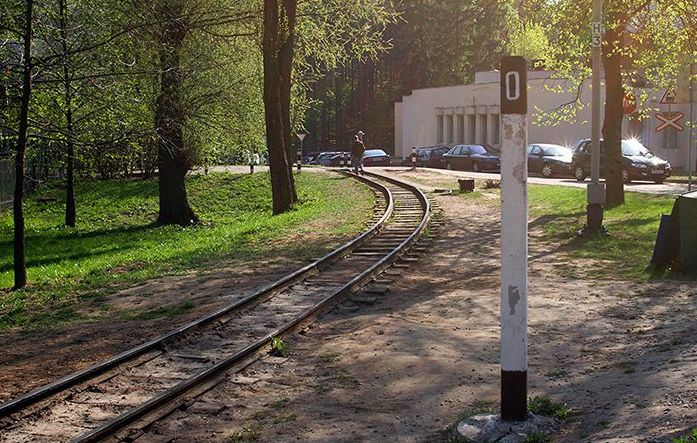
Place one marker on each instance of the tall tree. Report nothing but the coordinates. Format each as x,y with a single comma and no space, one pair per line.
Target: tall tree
173,160
278,49
645,44
20,266
68,112
614,95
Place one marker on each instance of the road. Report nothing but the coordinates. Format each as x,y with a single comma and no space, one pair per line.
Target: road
645,187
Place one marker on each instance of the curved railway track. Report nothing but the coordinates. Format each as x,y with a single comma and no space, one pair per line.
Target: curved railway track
97,402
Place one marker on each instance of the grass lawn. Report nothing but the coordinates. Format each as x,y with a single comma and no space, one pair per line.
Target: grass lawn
561,211
115,243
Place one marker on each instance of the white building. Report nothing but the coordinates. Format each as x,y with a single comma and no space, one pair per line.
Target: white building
470,114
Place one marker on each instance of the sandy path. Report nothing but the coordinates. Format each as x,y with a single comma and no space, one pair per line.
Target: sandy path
621,354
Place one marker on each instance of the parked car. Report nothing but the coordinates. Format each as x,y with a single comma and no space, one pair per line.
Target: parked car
549,160
429,157
336,160
309,157
638,163
324,158
376,157
473,158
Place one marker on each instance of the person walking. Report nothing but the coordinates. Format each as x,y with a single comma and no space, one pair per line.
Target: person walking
357,153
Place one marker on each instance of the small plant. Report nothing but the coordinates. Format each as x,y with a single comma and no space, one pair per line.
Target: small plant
278,404
557,374
604,424
246,435
537,437
544,405
278,347
492,184
688,438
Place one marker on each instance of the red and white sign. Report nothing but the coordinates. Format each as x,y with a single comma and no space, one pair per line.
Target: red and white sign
629,103
670,121
670,97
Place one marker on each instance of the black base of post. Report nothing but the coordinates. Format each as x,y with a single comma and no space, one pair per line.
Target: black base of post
594,220
514,395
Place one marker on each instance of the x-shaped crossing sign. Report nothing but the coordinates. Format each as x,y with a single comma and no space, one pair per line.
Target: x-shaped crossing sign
670,121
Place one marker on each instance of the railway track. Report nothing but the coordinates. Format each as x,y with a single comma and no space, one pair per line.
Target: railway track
99,401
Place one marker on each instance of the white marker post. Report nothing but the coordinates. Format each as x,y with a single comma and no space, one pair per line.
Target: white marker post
413,158
514,239
301,135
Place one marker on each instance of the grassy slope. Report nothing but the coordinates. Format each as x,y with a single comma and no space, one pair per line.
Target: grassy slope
115,243
560,212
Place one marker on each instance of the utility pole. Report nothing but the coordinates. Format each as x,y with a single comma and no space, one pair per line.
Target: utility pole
691,138
514,239
596,190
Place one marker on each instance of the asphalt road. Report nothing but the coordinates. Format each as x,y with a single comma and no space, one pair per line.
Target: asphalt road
646,187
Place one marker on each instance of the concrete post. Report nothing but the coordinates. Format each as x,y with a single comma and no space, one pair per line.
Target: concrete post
691,136
300,156
514,239
595,190
413,158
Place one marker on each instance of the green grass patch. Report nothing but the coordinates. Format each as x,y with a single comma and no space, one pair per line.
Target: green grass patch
115,243
561,211
691,437
544,405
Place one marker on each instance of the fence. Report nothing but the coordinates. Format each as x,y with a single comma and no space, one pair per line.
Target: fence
7,182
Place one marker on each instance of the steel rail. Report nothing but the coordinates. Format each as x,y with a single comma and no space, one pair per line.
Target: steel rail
119,422
92,371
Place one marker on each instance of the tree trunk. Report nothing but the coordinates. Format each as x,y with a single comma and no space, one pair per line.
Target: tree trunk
279,23
20,266
285,58
68,112
172,160
614,114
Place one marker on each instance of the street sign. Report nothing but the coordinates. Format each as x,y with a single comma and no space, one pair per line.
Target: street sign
597,34
670,97
670,121
629,103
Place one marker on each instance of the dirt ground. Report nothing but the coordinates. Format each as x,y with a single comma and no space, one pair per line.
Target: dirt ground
621,354
32,358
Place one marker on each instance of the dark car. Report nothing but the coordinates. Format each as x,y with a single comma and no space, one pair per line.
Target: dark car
638,163
376,157
336,160
473,158
549,160
325,158
309,157
430,157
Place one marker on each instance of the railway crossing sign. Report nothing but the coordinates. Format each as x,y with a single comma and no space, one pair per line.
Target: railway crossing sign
669,97
629,103
670,121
